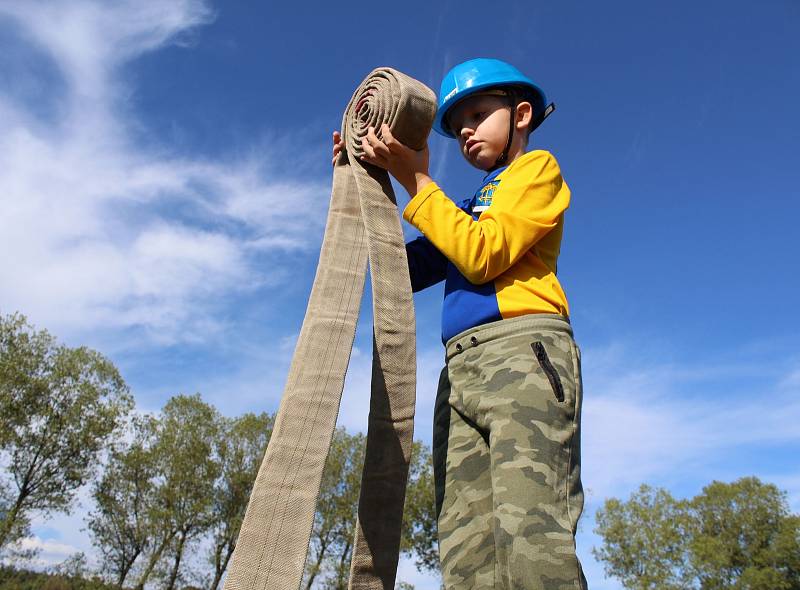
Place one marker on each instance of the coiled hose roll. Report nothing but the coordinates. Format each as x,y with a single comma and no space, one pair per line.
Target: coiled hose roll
363,225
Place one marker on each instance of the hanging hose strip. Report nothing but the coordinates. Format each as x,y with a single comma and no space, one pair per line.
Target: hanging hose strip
363,223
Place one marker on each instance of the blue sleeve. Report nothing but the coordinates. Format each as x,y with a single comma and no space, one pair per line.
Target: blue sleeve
426,265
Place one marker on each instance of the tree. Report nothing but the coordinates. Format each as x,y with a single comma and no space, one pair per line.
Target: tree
59,406
241,445
643,541
119,523
419,515
731,536
187,468
743,536
333,533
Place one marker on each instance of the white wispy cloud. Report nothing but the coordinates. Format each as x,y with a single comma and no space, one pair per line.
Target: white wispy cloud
679,426
90,235
651,421
47,552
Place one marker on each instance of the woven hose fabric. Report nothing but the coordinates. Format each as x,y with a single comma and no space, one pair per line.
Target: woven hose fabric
363,224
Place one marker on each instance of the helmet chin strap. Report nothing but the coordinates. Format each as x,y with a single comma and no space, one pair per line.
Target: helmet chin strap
503,157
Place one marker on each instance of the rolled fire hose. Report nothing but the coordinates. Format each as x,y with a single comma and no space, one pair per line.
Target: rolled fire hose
363,223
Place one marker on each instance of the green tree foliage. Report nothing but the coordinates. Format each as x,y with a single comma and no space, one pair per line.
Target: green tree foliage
332,535
174,479
59,407
643,541
183,499
181,476
731,536
419,516
15,579
331,547
119,523
241,445
742,535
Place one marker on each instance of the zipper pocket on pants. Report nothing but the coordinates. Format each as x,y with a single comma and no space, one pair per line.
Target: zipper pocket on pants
549,370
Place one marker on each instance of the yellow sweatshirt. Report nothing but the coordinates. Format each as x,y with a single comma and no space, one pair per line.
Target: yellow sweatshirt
498,250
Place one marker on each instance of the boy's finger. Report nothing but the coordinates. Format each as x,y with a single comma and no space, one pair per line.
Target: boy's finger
379,149
386,133
368,148
373,139
382,149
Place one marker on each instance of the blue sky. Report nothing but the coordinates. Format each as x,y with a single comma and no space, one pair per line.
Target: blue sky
166,175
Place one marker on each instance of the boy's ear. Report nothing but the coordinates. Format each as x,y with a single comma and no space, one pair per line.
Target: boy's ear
524,115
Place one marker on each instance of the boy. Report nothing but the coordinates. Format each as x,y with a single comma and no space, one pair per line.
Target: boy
506,444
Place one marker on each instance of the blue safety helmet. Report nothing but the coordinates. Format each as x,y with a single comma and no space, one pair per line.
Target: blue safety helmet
481,74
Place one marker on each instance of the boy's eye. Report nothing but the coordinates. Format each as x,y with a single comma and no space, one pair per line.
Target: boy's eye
469,118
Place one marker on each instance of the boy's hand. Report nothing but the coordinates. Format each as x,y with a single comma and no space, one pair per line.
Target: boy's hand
409,167
338,146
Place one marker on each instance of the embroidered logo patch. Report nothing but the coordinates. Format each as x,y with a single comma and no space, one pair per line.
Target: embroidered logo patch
484,196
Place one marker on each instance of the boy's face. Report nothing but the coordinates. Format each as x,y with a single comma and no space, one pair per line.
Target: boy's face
481,124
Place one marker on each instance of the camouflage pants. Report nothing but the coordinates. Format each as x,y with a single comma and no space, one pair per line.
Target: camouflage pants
506,454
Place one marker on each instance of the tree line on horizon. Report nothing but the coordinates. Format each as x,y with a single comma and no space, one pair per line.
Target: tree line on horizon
163,486
169,491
